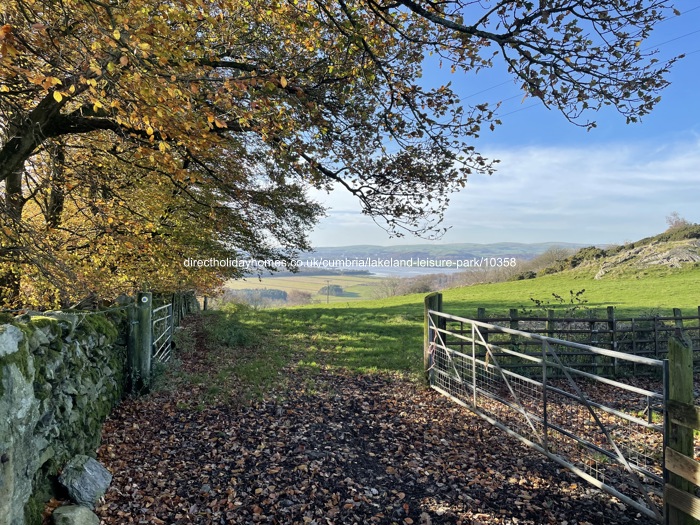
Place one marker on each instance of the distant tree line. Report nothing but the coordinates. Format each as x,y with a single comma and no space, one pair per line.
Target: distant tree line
525,269
261,298
332,289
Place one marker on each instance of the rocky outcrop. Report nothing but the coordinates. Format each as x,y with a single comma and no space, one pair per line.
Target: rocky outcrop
671,254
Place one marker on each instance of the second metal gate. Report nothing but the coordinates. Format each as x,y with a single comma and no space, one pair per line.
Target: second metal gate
608,431
162,325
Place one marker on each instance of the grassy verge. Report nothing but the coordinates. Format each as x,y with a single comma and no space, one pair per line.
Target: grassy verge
240,354
221,360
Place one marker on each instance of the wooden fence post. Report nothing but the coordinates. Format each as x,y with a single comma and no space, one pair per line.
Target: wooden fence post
145,350
678,437
513,314
481,316
175,309
514,325
432,301
698,330
132,347
612,327
678,317
550,323
656,335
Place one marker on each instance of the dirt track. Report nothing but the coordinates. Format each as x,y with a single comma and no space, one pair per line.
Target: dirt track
337,449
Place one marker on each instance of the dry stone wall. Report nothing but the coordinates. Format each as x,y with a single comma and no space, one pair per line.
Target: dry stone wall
60,376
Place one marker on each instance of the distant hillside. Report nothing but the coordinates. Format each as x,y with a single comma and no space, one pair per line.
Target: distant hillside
672,249
458,251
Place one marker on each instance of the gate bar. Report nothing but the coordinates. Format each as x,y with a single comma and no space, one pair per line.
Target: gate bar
552,340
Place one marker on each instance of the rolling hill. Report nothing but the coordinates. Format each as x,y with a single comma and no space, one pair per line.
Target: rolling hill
458,251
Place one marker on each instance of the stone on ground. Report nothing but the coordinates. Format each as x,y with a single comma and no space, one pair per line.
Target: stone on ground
75,515
86,480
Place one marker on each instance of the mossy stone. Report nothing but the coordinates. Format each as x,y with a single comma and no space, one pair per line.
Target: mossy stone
20,358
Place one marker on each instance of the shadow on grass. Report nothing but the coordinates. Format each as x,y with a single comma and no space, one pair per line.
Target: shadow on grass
359,339
373,336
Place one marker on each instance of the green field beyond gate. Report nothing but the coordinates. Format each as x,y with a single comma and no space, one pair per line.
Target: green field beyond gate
387,335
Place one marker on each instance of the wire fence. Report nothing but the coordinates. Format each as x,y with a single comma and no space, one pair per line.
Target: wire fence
146,330
645,336
163,327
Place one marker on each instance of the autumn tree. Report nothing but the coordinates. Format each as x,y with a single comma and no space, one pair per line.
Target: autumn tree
299,297
136,132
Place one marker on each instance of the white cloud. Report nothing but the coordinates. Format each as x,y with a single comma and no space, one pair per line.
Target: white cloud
592,194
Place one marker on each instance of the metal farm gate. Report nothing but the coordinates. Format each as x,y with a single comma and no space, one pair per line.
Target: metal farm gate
608,431
162,328
150,336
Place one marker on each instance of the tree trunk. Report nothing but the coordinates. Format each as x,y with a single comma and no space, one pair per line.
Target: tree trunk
56,198
9,272
27,133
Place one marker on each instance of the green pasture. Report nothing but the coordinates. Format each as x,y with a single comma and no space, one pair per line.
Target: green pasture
385,336
632,294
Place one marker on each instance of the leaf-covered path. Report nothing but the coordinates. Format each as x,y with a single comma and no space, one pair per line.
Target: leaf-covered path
337,448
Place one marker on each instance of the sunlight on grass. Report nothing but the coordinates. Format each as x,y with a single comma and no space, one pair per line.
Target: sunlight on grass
386,336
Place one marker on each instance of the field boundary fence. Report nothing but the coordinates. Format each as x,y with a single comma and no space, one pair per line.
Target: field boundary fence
643,335
162,329
150,334
599,412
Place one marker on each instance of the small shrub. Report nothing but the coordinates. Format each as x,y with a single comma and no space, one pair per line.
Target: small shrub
586,254
676,222
525,275
568,307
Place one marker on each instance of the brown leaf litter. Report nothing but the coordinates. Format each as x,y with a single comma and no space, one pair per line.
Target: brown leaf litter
337,448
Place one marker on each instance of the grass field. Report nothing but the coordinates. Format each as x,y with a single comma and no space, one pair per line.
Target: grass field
635,294
354,287
386,335
631,295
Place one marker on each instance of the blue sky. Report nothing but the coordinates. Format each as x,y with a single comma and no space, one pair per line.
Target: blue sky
558,182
